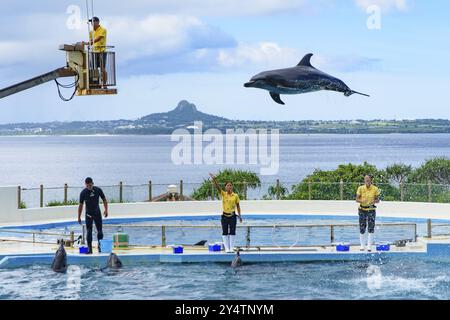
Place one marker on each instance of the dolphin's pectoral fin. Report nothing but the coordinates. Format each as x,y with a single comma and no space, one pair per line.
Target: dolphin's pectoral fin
276,98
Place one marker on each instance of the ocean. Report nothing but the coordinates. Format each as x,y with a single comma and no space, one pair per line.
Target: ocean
29,161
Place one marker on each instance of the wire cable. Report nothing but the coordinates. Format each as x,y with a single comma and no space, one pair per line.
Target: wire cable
68,86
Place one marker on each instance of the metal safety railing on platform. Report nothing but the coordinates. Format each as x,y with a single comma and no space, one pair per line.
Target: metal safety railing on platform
71,237
102,70
248,228
33,234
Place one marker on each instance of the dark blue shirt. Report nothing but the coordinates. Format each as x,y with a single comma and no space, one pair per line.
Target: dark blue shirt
91,198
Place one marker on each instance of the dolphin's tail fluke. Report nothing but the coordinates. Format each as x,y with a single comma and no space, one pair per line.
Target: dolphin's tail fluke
349,93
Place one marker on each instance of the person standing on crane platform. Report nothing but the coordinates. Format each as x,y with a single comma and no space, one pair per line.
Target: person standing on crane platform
97,39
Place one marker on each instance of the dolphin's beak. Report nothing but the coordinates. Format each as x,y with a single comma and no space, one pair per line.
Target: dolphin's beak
249,84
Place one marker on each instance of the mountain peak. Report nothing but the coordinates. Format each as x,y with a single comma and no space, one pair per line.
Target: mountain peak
184,114
186,106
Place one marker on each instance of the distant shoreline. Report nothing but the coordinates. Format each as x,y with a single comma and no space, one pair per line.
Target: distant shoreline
168,135
186,114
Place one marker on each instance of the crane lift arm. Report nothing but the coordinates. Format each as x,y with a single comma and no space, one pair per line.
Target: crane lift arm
49,76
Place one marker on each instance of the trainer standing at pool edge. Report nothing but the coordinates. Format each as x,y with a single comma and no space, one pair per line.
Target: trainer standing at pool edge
367,196
91,195
230,202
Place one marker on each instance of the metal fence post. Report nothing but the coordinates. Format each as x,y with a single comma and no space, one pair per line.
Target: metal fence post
341,189
163,236
181,190
332,234
41,196
65,192
72,238
430,195
429,229
150,197
309,189
248,237
278,189
19,197
121,192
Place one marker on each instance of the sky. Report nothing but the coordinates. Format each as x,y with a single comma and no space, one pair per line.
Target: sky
203,51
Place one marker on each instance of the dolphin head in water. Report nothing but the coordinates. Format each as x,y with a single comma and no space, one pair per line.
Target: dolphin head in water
59,263
237,261
114,262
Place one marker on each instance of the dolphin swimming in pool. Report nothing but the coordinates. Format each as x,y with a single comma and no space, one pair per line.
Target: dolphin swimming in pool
114,262
237,261
302,78
59,263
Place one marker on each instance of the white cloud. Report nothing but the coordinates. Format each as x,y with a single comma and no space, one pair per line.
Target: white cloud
385,5
154,43
158,35
137,40
261,54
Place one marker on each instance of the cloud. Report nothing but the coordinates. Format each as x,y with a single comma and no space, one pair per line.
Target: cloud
155,44
164,35
385,5
260,54
151,44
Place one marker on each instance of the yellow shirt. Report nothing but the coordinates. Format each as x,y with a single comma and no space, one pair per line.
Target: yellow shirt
368,195
99,46
229,202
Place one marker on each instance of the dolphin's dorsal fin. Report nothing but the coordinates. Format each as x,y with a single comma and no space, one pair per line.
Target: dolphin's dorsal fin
306,61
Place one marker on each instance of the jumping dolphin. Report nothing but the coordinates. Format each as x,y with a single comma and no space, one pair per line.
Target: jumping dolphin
114,263
237,262
59,263
302,78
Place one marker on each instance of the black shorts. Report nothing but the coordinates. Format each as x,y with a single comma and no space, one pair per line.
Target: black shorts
229,225
366,220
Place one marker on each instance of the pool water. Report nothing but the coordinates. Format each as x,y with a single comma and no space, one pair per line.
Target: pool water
391,280
387,279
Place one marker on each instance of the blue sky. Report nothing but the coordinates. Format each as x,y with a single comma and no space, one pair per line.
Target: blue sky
204,50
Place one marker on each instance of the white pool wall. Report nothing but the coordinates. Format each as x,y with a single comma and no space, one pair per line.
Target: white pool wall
10,215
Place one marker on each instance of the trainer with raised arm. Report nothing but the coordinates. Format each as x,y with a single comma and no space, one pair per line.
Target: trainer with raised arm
91,195
367,196
230,202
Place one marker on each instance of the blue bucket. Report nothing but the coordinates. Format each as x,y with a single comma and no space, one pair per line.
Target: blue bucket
343,247
83,250
106,246
214,247
383,247
177,249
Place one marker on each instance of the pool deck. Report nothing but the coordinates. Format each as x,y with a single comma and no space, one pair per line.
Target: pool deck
18,254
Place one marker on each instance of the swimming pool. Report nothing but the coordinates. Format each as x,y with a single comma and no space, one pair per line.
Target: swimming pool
406,278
